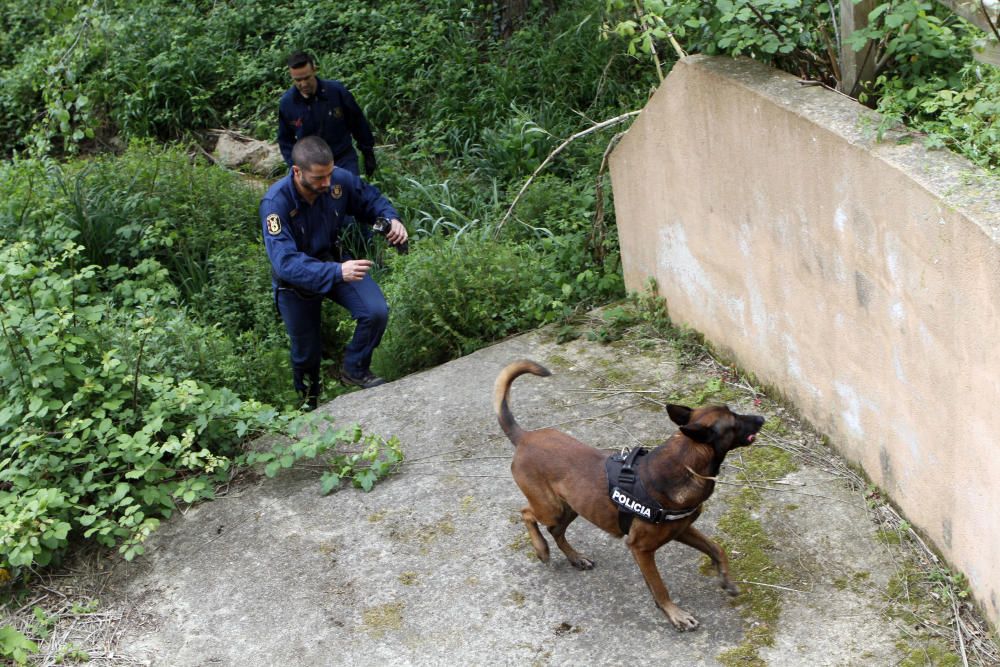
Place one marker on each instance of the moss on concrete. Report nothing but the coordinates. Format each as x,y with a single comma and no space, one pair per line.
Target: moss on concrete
713,390
917,601
927,654
889,536
858,582
380,619
426,534
777,426
749,548
467,505
556,361
520,543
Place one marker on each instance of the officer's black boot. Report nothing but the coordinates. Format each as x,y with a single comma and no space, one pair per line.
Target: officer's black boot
309,399
312,399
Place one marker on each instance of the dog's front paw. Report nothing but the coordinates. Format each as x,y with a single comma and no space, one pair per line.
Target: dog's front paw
582,563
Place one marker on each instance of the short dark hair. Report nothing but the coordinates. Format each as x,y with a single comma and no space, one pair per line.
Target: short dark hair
311,150
300,59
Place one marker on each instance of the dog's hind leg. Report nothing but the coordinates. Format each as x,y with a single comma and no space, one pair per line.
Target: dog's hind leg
647,564
558,532
697,539
537,540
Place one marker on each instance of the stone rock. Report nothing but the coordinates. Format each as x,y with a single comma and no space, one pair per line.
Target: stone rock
236,151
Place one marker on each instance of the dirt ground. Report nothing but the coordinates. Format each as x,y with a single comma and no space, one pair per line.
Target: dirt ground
433,566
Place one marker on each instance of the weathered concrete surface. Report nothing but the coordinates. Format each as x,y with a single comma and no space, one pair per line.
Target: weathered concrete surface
433,566
860,278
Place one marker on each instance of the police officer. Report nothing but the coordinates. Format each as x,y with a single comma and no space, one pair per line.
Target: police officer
325,108
303,215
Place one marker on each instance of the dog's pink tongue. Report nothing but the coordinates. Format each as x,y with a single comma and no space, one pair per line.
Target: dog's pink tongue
751,438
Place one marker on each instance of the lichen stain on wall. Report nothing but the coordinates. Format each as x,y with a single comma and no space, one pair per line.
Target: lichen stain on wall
793,367
674,258
916,460
840,219
851,404
897,366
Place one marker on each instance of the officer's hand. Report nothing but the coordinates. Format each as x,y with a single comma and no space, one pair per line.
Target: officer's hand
370,163
355,269
397,233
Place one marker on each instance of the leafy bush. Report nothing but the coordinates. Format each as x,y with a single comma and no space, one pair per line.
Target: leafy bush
490,289
15,645
138,325
79,420
441,314
203,64
924,72
964,116
103,431
787,33
198,222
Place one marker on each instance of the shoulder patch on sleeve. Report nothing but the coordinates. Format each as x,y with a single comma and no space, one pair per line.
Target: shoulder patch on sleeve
273,224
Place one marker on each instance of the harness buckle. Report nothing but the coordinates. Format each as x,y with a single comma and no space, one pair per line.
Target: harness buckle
627,476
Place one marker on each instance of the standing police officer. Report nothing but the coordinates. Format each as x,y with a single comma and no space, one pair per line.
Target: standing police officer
325,108
303,215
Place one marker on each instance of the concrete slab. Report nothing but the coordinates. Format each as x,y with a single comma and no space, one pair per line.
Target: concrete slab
434,567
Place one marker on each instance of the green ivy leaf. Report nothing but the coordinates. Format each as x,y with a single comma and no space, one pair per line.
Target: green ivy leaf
15,645
328,482
365,479
894,20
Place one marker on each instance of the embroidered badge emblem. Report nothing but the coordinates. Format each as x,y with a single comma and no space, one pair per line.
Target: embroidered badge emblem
338,112
337,191
273,224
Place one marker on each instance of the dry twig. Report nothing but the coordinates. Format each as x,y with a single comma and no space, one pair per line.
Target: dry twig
553,154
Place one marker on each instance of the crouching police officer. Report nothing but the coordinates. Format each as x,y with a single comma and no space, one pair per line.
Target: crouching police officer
303,215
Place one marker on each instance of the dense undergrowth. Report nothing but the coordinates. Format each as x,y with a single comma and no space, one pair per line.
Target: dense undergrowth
140,347
924,75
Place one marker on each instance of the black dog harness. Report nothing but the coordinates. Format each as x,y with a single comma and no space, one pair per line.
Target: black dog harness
628,493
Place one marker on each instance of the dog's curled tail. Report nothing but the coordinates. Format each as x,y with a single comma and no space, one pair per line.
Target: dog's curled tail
501,390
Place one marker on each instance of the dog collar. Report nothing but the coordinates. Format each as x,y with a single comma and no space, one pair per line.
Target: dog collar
628,493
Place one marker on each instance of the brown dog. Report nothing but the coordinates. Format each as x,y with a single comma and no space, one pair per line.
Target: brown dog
562,478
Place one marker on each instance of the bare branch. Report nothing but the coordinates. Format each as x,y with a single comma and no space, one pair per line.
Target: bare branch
553,154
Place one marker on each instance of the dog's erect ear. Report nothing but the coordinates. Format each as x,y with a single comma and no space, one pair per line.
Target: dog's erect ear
698,432
679,414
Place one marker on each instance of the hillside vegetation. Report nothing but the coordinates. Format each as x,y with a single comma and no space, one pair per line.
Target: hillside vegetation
141,348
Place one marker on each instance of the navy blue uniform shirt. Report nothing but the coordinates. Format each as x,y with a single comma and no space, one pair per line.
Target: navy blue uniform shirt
332,113
297,234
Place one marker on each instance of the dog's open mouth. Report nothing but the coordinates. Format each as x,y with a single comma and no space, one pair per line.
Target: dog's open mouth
751,438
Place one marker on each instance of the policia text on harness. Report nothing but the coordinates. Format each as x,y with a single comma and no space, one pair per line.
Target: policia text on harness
629,494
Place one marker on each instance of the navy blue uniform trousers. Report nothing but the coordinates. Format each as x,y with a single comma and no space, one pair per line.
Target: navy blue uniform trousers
363,299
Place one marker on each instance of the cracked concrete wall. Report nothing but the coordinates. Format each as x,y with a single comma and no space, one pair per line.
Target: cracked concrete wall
859,278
